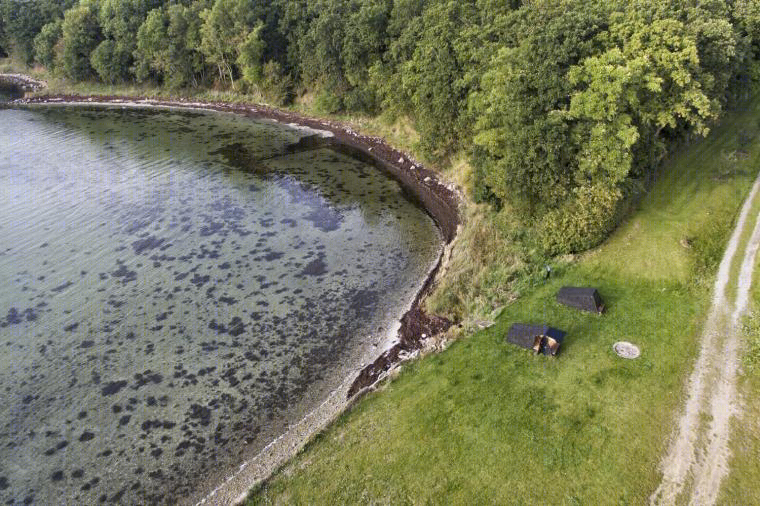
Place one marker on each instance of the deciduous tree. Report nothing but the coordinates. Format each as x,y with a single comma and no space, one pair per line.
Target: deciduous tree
80,35
46,44
530,156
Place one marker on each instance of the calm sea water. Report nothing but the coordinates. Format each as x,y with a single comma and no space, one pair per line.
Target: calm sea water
9,92
175,288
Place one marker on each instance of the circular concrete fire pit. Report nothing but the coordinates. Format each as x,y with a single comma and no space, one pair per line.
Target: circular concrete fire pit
626,350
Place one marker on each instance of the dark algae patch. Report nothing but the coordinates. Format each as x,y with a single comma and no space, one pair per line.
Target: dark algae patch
205,281
113,387
9,91
316,267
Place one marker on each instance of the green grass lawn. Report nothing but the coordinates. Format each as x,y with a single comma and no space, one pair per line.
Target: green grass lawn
487,422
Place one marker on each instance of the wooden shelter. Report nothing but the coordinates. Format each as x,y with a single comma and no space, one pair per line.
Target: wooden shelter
586,299
539,338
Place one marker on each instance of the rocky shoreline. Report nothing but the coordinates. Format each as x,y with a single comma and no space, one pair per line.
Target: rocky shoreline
416,326
25,83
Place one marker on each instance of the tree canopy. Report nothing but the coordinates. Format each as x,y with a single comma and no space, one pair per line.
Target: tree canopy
562,105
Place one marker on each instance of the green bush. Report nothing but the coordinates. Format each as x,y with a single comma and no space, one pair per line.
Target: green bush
45,44
327,102
81,34
482,193
361,99
582,222
276,85
110,61
709,243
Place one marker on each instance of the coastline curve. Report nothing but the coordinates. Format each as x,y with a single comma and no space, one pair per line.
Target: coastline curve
440,200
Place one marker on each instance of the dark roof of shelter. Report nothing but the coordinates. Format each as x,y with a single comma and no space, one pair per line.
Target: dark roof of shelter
519,329
577,291
523,333
522,329
584,298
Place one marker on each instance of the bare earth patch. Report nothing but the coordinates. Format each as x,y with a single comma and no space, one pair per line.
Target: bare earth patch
697,459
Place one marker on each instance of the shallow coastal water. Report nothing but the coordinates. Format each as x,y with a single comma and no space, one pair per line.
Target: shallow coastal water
9,92
178,287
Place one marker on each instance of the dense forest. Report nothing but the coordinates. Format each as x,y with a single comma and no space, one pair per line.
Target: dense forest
565,107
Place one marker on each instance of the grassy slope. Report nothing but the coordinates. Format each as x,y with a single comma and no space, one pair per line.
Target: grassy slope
486,422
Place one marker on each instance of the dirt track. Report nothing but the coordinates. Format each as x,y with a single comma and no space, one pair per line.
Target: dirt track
698,457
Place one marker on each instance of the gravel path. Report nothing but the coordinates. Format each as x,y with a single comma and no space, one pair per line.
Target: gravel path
697,459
